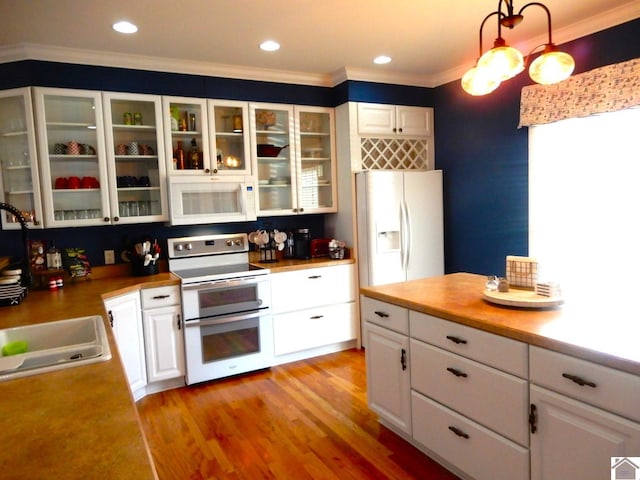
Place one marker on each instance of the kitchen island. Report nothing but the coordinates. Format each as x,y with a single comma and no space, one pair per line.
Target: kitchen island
468,382
605,333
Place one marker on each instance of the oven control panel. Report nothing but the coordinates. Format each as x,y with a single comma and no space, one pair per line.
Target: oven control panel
207,245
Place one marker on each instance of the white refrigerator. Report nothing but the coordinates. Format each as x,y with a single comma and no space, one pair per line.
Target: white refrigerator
400,225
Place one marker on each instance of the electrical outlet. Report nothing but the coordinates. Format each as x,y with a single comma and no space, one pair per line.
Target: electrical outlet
109,257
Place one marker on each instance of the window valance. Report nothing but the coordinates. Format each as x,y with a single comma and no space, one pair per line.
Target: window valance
606,89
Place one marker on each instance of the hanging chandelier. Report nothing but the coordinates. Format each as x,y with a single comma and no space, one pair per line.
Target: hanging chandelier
503,62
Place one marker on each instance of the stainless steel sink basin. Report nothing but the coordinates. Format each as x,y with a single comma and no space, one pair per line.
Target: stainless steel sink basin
54,346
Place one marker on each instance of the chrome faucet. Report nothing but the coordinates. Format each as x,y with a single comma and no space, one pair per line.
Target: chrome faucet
26,279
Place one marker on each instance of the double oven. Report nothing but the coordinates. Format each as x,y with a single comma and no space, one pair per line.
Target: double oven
226,305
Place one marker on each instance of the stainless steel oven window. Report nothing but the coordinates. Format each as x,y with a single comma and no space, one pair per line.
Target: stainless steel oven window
243,294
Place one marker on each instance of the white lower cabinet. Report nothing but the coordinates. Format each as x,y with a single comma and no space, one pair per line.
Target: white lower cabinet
584,414
148,330
469,447
125,318
313,311
388,376
575,440
163,337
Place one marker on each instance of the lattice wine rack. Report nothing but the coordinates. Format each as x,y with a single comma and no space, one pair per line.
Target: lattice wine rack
391,153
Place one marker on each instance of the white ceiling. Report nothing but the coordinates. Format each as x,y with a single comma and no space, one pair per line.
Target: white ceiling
323,41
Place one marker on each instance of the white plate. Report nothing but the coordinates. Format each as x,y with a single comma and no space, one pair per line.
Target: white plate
9,280
11,273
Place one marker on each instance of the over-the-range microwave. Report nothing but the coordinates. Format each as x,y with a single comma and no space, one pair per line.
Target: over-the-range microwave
212,199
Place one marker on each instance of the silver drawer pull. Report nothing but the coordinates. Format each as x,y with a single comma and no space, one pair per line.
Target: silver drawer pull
160,297
580,381
457,372
459,432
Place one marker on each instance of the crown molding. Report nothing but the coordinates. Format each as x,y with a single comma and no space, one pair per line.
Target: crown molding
394,78
19,52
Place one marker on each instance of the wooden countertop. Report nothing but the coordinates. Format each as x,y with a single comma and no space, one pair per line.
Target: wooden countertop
607,332
82,422
79,422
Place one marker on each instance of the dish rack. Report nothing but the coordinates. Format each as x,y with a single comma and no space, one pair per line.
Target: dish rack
12,294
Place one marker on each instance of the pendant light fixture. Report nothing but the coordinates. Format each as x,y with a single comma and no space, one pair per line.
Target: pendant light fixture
503,62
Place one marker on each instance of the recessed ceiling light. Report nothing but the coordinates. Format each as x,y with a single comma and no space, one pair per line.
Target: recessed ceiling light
125,27
270,46
381,60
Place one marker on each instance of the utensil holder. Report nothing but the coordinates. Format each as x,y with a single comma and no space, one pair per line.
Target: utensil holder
139,269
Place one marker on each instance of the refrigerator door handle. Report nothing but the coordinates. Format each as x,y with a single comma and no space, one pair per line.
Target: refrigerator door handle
406,235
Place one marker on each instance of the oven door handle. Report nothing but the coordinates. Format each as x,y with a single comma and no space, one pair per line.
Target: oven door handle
221,320
222,283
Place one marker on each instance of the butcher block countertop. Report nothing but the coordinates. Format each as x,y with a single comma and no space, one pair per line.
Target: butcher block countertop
606,332
81,422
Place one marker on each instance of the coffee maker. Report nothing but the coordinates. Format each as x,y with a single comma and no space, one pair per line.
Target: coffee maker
302,243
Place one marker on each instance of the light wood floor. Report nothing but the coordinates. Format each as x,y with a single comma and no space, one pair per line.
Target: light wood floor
305,420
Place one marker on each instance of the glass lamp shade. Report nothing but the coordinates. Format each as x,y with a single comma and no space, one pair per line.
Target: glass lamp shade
477,81
551,67
503,62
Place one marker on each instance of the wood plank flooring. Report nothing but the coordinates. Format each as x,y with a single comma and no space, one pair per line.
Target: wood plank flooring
304,420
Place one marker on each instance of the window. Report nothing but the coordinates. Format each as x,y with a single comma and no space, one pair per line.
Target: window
584,204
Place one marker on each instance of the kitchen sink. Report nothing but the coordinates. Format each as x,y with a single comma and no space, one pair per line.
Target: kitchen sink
54,346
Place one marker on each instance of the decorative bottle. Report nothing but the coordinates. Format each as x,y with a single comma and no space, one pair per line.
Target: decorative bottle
194,155
180,157
54,257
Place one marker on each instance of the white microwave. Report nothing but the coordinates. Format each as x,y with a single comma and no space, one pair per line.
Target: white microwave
212,199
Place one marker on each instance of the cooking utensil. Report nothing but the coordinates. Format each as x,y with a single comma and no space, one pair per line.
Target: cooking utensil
269,150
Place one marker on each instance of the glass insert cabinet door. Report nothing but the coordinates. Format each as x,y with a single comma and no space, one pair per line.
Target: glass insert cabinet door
72,157
136,160
274,154
316,153
18,165
229,120
186,136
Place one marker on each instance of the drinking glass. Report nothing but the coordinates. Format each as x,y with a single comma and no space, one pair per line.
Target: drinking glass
133,209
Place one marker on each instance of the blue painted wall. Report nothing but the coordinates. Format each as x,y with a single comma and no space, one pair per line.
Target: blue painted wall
478,146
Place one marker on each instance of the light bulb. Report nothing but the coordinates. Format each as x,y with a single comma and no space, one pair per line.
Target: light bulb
503,62
551,67
477,82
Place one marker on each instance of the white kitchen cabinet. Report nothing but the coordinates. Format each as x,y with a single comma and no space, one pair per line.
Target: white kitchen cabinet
313,311
71,148
126,320
478,452
18,160
391,120
582,414
230,144
293,151
388,376
186,125
575,440
163,334
136,158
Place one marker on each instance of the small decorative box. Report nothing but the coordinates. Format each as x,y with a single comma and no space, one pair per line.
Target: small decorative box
522,271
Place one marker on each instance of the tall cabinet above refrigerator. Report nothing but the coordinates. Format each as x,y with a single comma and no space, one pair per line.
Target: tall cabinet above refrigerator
400,225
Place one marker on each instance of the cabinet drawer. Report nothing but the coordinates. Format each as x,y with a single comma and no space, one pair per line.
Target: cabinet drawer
499,352
384,314
160,296
314,327
312,287
614,390
477,451
493,398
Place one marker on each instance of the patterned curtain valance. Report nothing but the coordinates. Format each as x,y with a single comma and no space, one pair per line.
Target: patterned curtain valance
606,89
